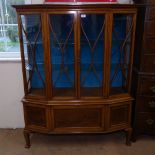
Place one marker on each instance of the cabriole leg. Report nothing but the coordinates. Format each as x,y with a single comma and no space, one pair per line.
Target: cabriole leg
27,139
128,136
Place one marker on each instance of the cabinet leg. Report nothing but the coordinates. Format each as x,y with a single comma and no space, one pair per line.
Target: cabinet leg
128,136
27,139
134,136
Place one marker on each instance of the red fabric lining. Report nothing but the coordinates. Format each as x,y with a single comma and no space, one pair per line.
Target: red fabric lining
80,0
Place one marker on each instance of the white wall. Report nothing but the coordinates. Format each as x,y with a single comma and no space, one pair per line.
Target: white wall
37,1
11,93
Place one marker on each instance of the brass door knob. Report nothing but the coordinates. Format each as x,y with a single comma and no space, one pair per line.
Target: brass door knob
150,121
152,104
152,89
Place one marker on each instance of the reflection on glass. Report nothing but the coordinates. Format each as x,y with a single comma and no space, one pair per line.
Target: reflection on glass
62,54
33,51
121,46
92,54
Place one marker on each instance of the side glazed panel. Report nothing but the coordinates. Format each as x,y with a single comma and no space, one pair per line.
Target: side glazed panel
33,54
121,53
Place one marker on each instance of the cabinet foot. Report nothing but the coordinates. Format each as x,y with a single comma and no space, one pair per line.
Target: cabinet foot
27,139
134,136
128,136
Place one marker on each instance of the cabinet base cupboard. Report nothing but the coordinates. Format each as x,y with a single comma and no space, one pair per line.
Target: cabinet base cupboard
77,67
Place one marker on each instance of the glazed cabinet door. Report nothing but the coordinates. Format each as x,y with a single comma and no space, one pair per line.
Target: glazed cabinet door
121,58
91,53
32,52
62,29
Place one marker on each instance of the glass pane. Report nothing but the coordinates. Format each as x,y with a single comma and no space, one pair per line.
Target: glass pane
62,54
120,56
92,54
9,41
33,51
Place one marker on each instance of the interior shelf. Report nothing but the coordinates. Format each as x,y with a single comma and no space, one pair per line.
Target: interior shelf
37,91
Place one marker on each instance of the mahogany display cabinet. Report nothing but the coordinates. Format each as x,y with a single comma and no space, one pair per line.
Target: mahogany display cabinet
77,67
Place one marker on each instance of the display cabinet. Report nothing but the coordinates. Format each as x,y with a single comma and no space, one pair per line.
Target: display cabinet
77,67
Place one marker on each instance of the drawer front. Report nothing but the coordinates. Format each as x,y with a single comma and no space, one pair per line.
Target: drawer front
151,13
119,115
150,1
150,28
146,122
145,104
36,117
78,117
149,45
146,86
148,63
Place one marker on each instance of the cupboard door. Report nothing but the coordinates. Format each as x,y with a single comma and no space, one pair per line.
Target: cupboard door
119,115
121,54
62,46
84,118
91,54
32,50
35,116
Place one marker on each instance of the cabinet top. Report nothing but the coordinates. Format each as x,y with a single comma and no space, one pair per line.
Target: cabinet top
76,6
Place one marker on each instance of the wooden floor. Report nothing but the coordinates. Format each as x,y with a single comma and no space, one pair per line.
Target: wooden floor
12,143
